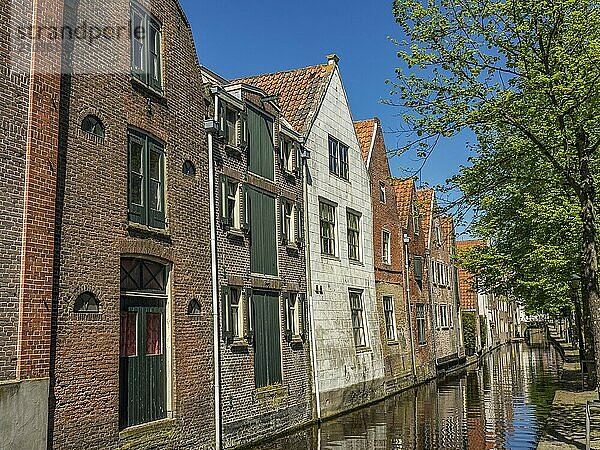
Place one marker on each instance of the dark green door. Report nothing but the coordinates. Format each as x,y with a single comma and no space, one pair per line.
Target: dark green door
143,371
263,233
267,338
261,154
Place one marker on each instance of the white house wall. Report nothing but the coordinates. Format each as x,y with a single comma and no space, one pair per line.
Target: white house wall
340,365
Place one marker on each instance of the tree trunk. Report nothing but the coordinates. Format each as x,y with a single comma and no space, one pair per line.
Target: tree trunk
589,273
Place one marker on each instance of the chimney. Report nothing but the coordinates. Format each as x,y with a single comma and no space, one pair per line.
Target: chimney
333,59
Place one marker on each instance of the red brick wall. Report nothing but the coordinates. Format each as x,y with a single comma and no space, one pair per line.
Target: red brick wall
389,277
95,234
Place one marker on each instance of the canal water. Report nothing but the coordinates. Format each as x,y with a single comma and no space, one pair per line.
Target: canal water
503,403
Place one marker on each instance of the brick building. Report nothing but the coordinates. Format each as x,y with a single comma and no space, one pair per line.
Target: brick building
30,79
265,367
414,257
133,317
348,361
439,239
388,245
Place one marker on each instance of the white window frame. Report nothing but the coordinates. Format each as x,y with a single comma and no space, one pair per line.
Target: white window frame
358,216
385,247
382,193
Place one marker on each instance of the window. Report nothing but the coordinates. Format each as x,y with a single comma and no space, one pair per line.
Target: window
86,303
443,322
415,218
327,219
145,48
232,317
433,272
386,247
353,236
229,124
338,158
189,169
390,319
230,202
143,275
289,155
288,221
92,125
418,267
194,308
146,180
294,304
358,320
382,192
421,324
438,235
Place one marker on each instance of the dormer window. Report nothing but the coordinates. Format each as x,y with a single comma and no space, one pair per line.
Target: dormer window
289,155
229,124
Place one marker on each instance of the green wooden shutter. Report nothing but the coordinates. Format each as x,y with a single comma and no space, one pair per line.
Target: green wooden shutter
296,158
154,49
243,129
298,224
274,338
418,267
267,149
282,203
270,235
155,185
137,184
226,314
286,298
244,206
249,309
223,187
222,119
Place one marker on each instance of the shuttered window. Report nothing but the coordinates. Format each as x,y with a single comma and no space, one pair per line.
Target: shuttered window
145,48
146,180
263,232
261,158
418,267
232,195
267,339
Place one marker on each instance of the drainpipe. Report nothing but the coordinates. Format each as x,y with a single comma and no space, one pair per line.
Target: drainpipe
211,126
409,316
309,289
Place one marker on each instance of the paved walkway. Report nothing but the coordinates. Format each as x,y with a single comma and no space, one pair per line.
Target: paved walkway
565,428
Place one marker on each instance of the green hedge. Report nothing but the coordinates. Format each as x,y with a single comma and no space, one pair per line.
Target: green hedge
468,325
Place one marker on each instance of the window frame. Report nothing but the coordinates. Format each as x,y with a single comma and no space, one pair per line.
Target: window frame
386,248
382,193
331,226
356,234
142,213
236,222
443,314
357,311
415,218
288,221
151,71
339,158
389,312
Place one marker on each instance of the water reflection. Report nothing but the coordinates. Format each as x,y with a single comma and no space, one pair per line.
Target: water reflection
503,403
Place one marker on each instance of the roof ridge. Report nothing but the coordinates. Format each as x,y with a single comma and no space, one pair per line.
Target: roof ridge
266,74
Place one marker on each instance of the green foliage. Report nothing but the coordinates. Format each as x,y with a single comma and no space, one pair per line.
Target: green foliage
468,325
524,77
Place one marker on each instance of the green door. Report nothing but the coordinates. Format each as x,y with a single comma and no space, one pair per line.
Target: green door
143,371
267,339
261,153
263,233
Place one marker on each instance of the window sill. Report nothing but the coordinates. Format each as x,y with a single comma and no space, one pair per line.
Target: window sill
330,257
139,230
356,263
239,344
296,342
289,176
131,432
292,247
235,233
271,391
233,150
147,89
346,180
394,342
363,349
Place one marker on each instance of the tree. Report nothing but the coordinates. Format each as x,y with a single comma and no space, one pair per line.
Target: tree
527,68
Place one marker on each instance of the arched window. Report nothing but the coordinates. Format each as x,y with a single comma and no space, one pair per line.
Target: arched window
194,308
189,169
87,303
93,125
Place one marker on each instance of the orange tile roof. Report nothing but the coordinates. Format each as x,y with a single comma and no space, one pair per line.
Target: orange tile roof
364,133
404,197
469,244
424,198
300,91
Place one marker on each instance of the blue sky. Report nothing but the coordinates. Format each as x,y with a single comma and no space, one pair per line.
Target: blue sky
237,38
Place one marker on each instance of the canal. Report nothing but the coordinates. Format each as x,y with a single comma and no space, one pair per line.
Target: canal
503,403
